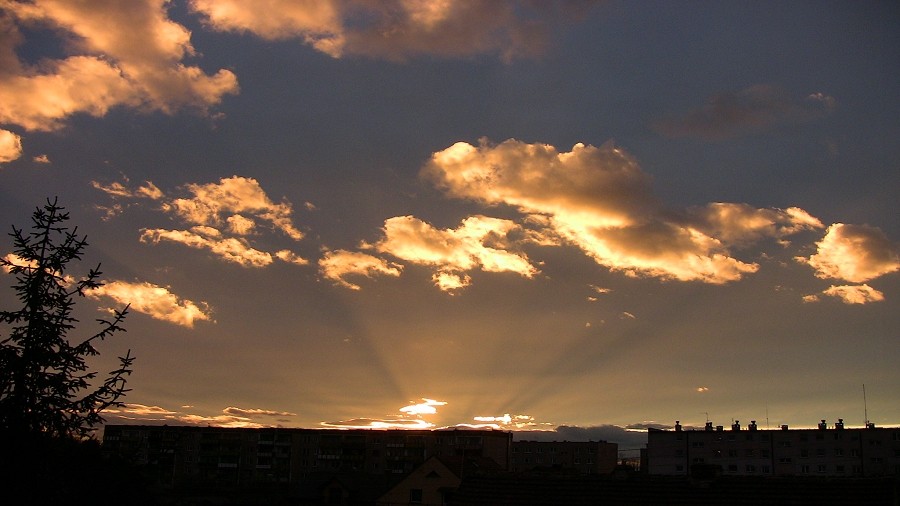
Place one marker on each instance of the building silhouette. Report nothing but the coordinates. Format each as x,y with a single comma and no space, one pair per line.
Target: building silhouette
832,451
190,455
579,457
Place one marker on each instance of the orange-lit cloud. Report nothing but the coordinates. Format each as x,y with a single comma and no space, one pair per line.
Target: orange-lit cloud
410,417
849,294
231,417
506,422
741,224
223,218
855,253
11,260
231,249
233,202
123,54
750,110
255,412
397,29
338,264
116,189
426,407
480,242
599,200
10,146
156,301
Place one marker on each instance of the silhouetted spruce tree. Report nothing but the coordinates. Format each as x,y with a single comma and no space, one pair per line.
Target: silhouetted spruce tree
46,387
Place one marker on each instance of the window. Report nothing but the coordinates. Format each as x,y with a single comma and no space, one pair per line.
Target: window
697,444
838,452
804,468
415,495
839,469
822,468
732,468
820,452
854,452
749,453
750,468
732,453
679,453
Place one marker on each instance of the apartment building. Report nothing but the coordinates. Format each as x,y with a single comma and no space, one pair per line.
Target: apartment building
214,455
828,450
582,457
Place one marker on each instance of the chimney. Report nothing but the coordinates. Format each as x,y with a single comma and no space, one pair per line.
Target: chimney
719,428
736,425
708,427
839,424
823,425
752,425
784,427
677,425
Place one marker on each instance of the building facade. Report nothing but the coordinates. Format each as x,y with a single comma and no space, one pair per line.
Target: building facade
235,456
582,457
825,451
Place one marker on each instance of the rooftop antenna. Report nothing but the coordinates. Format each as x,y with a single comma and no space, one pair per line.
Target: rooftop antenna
767,416
865,406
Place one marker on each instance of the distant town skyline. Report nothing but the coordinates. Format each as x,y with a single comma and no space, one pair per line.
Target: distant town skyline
535,216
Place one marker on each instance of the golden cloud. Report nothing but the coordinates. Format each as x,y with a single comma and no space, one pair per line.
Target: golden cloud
116,189
397,29
10,146
850,294
855,253
126,54
156,301
223,215
741,224
480,242
231,201
338,264
249,413
230,249
599,200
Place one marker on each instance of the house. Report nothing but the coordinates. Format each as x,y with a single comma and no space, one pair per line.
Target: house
436,479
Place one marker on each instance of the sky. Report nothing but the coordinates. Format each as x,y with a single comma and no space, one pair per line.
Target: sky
525,215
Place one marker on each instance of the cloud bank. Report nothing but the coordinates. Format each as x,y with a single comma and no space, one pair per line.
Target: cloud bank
120,54
598,199
398,29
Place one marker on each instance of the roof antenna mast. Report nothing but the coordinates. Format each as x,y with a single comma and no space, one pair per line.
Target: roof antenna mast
865,406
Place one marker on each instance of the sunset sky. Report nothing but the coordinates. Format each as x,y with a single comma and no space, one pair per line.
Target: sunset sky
345,213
